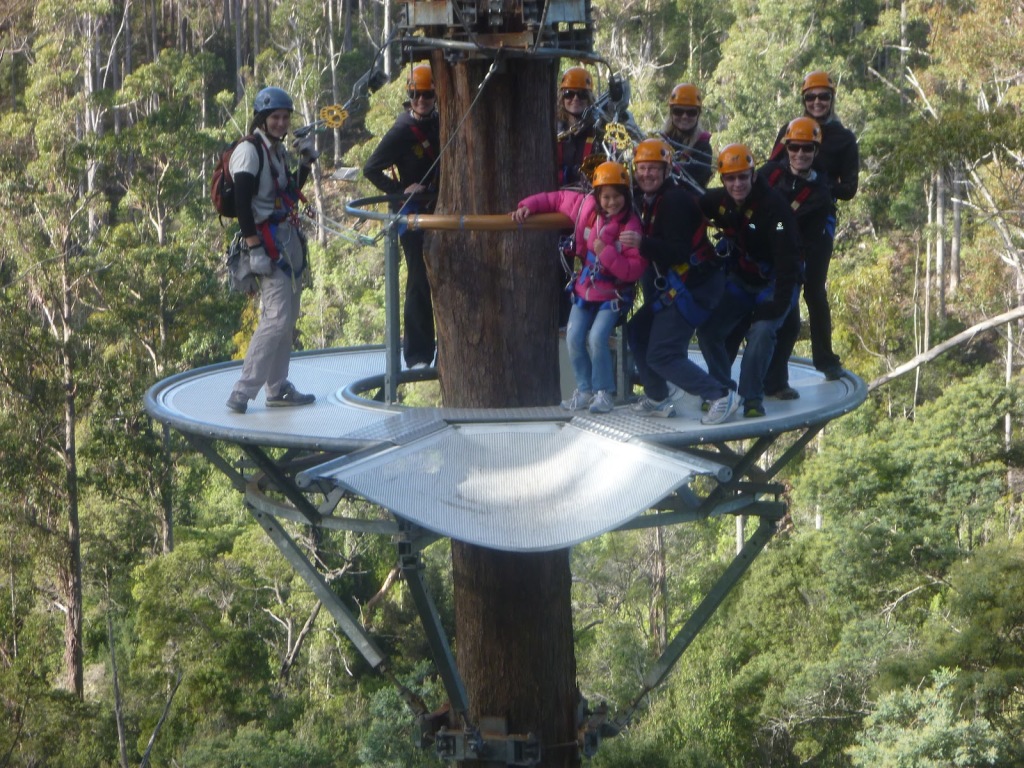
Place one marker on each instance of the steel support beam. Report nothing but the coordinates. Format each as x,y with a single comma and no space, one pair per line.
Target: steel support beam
346,621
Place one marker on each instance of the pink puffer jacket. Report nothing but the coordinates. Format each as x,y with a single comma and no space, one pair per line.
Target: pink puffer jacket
609,269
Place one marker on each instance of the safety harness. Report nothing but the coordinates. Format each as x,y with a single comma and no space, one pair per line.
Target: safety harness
563,167
286,208
592,273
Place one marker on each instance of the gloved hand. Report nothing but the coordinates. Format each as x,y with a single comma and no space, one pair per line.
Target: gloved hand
259,261
306,147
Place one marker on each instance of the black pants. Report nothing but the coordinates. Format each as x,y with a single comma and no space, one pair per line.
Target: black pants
418,320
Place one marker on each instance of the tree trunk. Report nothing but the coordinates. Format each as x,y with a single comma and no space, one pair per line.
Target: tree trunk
495,302
940,242
956,235
71,569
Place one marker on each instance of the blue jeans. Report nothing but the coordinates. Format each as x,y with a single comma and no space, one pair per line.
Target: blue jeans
736,307
587,336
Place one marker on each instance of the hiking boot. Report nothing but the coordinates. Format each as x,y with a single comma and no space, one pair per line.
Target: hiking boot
721,409
786,393
238,402
753,409
288,397
578,401
833,372
602,402
645,406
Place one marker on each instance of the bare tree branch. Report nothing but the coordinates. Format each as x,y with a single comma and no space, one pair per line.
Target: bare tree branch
961,338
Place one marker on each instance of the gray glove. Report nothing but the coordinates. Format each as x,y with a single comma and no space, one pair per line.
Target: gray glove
306,147
259,261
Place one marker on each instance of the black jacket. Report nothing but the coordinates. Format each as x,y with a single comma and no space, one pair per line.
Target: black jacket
675,233
811,203
412,155
767,242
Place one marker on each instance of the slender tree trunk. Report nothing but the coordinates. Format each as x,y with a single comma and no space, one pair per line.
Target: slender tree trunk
122,745
495,301
940,242
71,570
955,239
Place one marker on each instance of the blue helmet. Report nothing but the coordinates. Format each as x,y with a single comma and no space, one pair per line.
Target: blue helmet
271,99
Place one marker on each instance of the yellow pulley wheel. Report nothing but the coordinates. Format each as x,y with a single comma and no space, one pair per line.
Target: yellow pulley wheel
617,134
591,162
333,115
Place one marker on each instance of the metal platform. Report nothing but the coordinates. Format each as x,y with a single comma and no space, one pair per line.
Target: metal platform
512,479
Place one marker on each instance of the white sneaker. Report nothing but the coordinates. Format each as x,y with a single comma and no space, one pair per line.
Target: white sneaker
722,408
602,402
578,401
645,406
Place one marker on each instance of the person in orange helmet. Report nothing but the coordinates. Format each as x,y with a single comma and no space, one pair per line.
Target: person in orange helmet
764,273
603,288
576,140
411,147
692,146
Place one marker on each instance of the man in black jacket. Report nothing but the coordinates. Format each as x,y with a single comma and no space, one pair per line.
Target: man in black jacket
411,147
764,279
681,288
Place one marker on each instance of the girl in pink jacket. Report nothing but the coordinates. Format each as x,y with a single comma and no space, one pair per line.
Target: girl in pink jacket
603,288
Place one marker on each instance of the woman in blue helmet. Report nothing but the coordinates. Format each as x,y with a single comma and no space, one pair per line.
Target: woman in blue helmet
266,197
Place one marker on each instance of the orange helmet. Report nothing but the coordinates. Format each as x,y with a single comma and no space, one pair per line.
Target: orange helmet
735,158
685,95
803,129
421,78
652,151
818,79
610,174
577,77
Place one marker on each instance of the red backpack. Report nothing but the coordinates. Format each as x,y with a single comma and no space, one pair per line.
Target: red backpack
222,188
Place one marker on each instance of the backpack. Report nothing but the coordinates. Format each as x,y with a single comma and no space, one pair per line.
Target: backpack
222,188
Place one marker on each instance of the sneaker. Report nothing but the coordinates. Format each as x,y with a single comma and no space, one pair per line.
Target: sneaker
578,401
721,409
602,402
753,409
645,406
238,402
289,396
833,372
786,393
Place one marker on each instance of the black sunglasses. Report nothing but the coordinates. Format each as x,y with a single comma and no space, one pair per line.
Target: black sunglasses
794,148
826,97
413,95
685,111
572,94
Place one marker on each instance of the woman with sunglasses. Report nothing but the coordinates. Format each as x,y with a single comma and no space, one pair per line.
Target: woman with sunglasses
691,145
411,147
838,157
575,138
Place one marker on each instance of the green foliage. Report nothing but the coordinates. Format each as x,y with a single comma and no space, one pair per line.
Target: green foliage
923,727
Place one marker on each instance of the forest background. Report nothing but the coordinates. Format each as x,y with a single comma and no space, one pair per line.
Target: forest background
145,619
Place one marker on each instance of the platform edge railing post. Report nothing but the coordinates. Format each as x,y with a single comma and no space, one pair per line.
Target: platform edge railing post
392,317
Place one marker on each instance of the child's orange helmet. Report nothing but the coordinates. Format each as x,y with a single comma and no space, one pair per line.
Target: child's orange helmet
610,174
